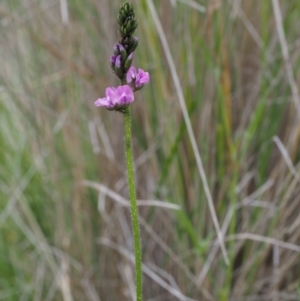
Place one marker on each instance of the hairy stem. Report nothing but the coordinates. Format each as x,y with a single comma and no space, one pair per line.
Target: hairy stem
133,206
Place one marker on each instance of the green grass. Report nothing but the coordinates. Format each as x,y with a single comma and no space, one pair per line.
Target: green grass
238,98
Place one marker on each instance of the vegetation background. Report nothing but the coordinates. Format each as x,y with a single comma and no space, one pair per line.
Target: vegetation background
65,231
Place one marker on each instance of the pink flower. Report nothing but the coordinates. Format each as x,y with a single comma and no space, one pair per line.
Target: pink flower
116,98
137,79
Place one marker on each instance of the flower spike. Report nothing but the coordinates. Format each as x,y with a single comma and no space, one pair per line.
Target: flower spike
119,98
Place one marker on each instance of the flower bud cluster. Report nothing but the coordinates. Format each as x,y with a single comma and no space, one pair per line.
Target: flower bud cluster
126,19
121,60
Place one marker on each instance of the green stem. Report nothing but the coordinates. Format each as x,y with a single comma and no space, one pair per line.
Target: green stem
133,207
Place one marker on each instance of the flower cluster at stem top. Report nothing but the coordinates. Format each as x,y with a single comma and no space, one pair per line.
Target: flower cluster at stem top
118,98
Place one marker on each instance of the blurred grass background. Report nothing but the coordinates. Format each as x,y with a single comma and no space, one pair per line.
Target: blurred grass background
64,234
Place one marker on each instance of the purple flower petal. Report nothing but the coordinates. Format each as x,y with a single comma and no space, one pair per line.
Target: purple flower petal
125,95
131,74
102,102
110,92
113,59
135,39
116,48
108,101
142,78
130,57
118,61
121,48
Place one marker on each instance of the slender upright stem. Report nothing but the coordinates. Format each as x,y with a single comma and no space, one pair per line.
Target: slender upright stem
133,207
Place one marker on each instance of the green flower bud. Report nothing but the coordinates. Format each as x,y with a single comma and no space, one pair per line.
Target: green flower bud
128,62
122,13
123,53
134,42
127,21
128,26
